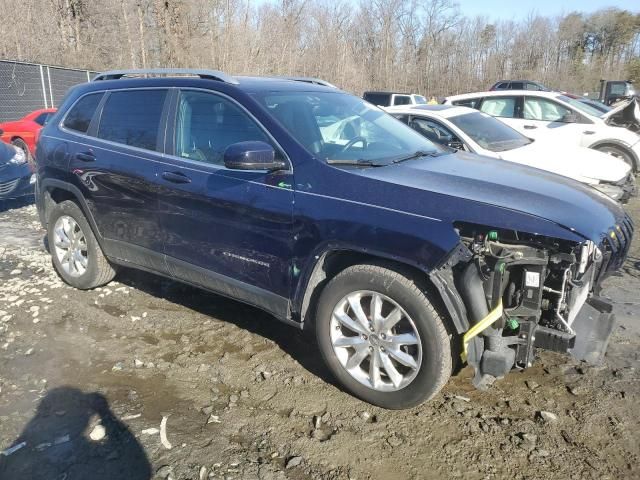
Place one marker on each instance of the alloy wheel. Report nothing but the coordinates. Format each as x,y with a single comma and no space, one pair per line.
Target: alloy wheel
376,341
70,246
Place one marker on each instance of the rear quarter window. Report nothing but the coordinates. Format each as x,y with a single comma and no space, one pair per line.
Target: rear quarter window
133,118
380,99
79,117
468,102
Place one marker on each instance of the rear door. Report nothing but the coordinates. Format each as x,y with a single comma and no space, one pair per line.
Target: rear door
116,165
227,230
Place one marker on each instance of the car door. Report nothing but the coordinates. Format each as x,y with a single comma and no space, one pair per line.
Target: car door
115,165
227,230
507,108
544,118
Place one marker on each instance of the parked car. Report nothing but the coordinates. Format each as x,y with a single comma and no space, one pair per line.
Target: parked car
556,116
519,85
399,254
15,174
22,133
467,129
387,99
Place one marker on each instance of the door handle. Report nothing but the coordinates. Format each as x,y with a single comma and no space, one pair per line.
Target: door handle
588,132
176,177
530,127
86,156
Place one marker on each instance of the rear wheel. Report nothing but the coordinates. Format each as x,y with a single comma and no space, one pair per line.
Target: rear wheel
382,338
76,254
618,152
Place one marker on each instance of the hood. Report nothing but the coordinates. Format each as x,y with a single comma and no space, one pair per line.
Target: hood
7,152
582,164
626,115
482,181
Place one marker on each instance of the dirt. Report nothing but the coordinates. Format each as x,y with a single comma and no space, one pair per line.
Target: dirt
84,373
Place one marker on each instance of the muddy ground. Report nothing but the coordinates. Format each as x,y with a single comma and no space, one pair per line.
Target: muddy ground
86,378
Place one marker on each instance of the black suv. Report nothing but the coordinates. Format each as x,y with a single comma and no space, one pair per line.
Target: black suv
406,258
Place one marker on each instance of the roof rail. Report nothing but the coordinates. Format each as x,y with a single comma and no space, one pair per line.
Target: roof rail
315,81
207,74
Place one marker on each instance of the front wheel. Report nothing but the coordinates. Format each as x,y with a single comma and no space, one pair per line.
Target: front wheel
618,152
382,338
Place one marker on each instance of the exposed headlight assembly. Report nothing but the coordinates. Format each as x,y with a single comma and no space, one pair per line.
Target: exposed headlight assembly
611,191
19,158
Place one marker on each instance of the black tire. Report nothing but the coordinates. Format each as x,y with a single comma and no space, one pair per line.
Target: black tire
98,270
18,142
620,153
436,365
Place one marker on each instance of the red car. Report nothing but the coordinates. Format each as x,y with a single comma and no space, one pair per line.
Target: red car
23,133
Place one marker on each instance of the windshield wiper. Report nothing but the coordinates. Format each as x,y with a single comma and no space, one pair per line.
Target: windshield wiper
361,162
415,155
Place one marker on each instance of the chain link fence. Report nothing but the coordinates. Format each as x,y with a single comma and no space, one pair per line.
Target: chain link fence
25,87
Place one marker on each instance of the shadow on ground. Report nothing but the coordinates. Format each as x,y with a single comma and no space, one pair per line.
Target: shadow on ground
299,345
56,443
6,205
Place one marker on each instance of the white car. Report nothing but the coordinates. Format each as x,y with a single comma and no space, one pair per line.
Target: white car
476,132
554,116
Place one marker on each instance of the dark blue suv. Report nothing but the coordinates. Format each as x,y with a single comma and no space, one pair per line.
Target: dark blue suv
406,258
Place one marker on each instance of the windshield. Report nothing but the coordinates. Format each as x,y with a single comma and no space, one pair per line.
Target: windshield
338,126
488,132
583,107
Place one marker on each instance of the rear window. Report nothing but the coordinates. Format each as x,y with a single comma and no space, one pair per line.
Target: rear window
380,99
133,118
80,115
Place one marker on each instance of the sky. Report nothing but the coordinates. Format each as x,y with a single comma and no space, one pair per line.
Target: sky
507,9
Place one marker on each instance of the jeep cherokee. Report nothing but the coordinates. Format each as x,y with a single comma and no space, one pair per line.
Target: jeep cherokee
407,259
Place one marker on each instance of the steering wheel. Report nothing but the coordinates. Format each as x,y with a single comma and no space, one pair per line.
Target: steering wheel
352,142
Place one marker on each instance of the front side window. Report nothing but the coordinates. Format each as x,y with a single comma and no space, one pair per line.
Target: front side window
584,107
133,118
544,110
338,126
499,107
420,100
80,115
489,133
516,86
207,124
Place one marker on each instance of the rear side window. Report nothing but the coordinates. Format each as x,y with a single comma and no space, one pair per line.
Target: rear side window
380,99
402,100
80,115
133,118
501,86
499,107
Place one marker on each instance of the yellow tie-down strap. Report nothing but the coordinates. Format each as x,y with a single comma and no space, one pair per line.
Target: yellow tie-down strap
479,327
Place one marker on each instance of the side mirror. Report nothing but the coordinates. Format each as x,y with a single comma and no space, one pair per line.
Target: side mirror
252,156
570,118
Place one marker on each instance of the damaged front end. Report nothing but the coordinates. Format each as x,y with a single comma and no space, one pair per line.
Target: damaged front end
523,291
